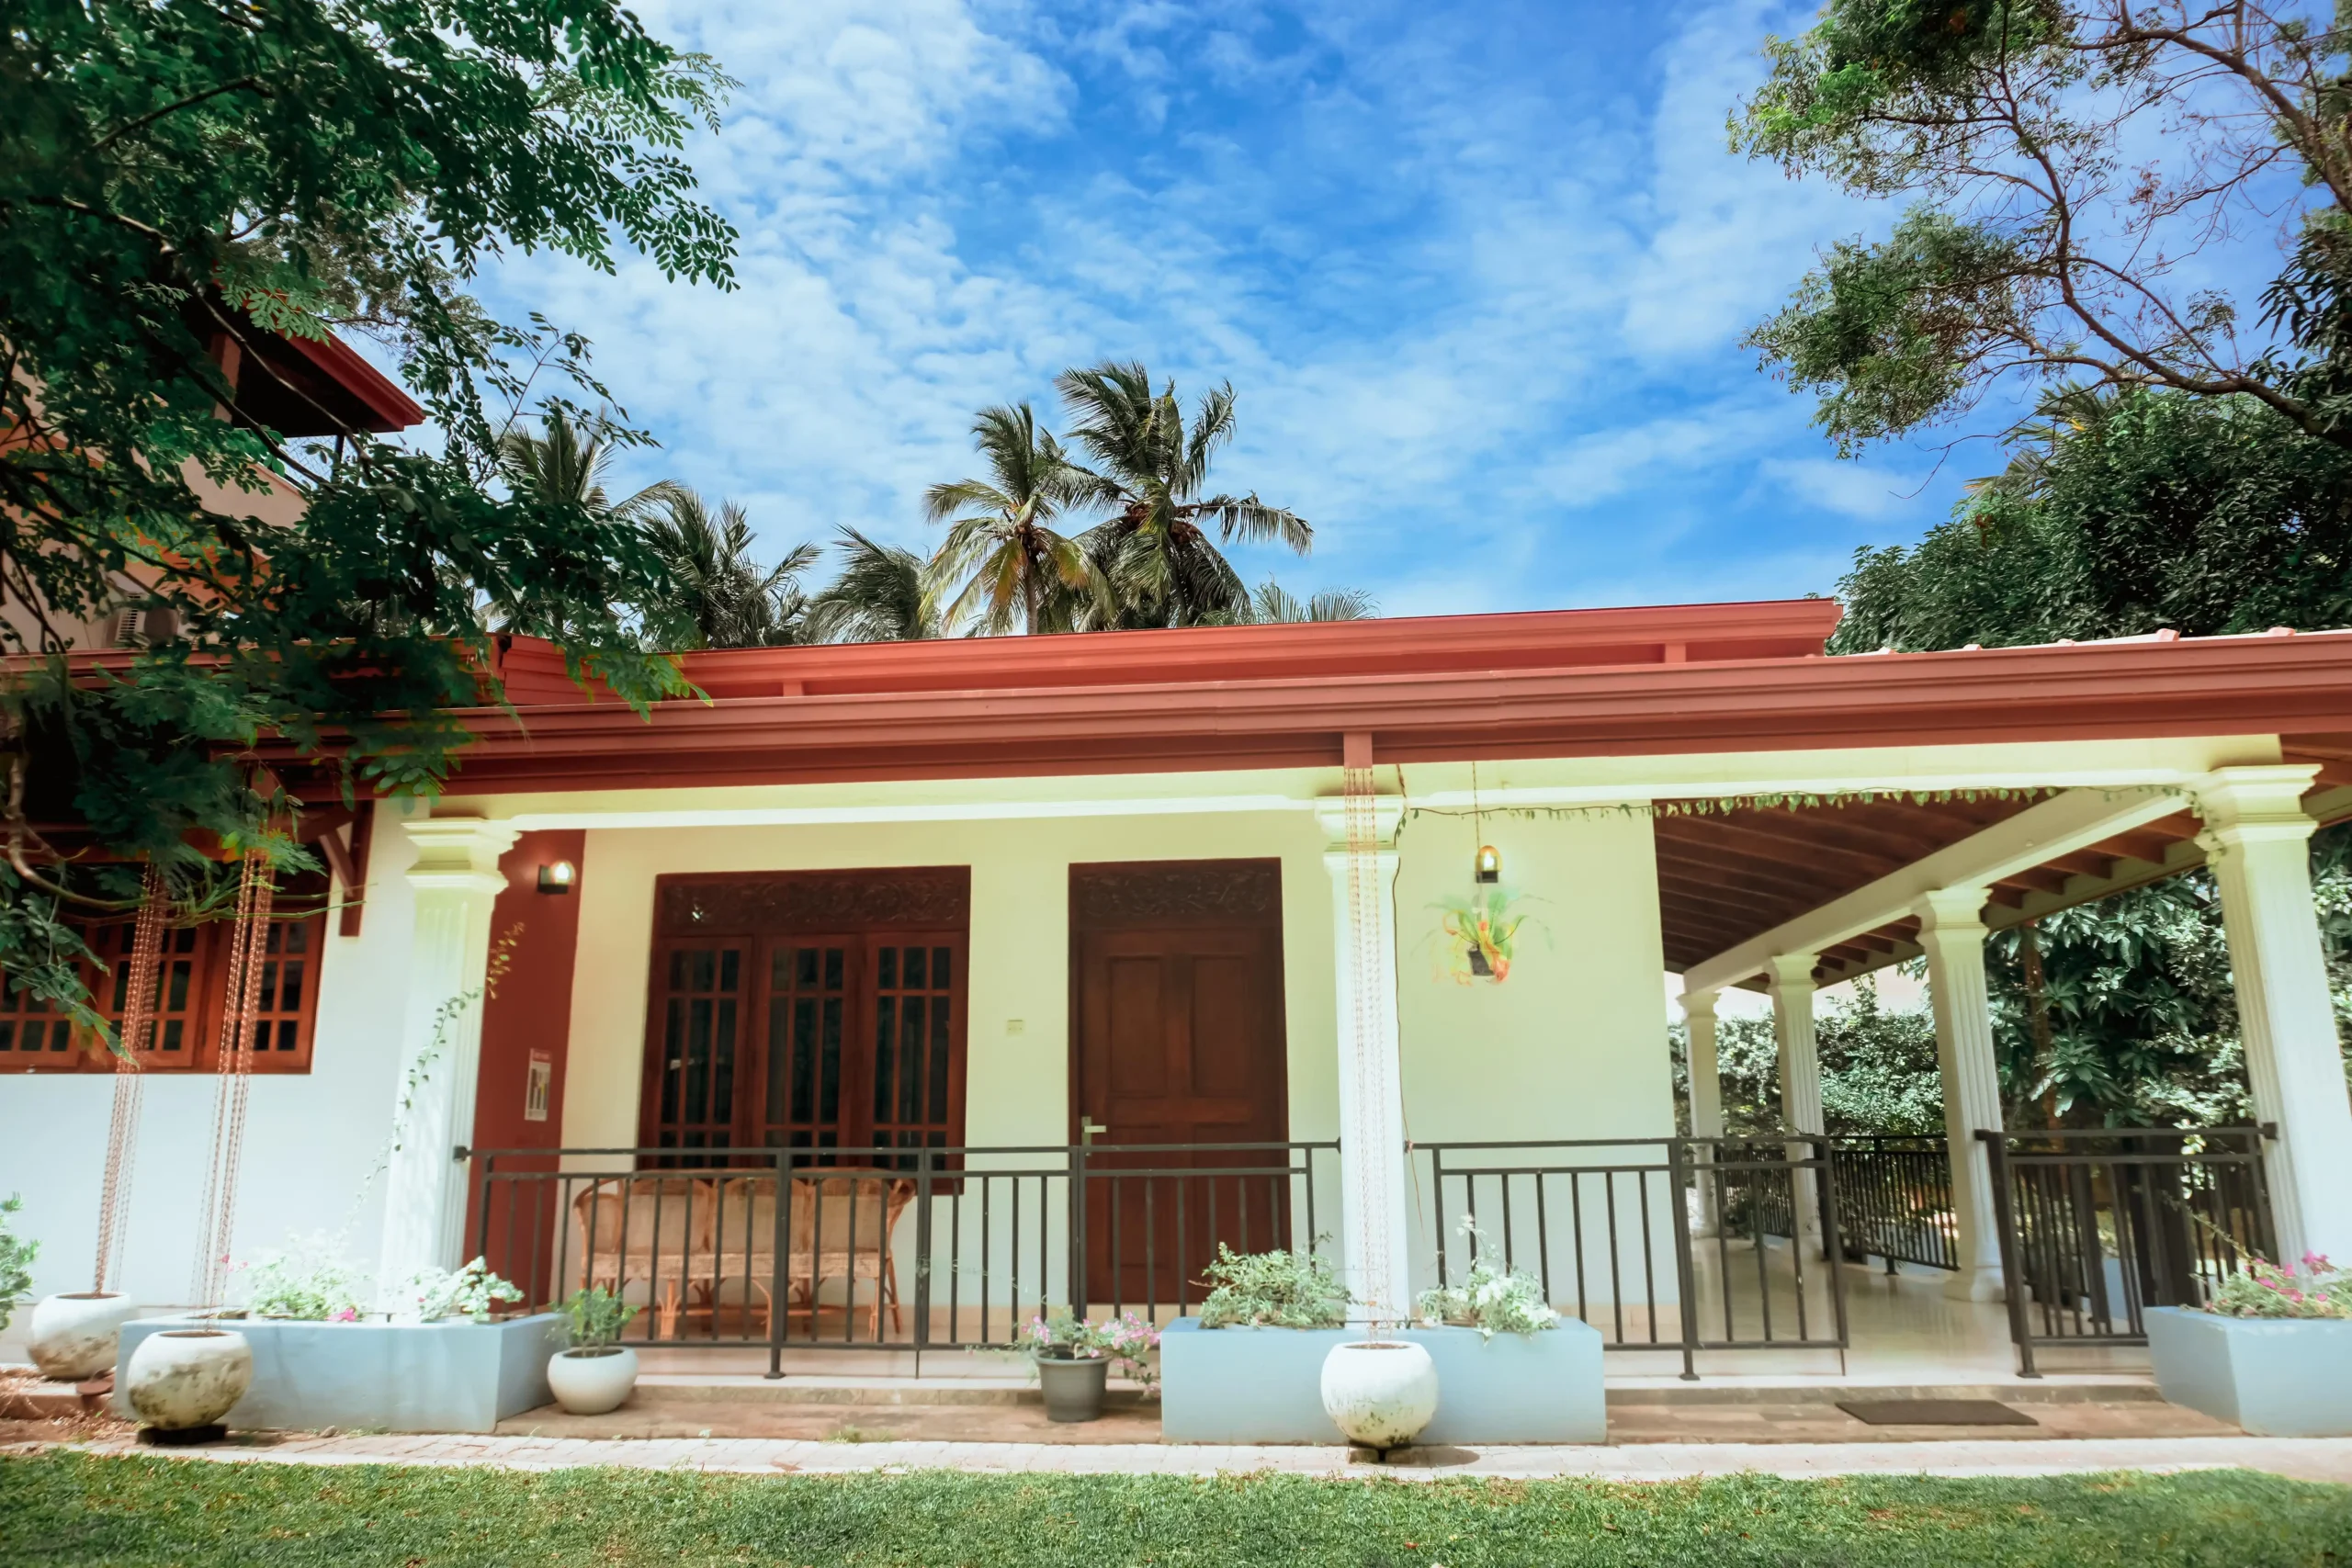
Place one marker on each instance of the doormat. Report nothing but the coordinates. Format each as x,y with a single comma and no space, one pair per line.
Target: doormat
1935,1413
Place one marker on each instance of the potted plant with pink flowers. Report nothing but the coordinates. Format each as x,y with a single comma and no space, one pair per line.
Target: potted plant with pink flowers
1074,1357
2271,1349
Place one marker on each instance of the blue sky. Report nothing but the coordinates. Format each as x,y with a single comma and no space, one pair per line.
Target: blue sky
1479,276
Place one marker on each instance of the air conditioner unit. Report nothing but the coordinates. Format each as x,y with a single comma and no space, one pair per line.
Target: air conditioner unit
145,628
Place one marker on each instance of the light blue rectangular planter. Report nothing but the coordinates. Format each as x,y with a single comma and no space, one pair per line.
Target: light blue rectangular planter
1265,1385
2277,1377
405,1377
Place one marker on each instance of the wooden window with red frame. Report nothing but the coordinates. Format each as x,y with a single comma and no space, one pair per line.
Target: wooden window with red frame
190,1001
807,1010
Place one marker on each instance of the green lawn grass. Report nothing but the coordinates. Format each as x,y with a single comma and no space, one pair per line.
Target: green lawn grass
71,1509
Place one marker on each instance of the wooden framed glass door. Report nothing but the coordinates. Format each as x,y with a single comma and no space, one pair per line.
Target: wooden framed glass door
846,1037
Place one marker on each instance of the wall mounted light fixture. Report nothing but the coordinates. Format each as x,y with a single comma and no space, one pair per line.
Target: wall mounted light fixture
557,876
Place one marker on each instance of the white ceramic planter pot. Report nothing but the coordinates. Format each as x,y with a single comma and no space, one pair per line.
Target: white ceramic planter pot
1379,1393
187,1377
74,1336
591,1381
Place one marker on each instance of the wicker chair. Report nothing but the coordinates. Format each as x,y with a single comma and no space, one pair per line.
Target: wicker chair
840,1228
656,1230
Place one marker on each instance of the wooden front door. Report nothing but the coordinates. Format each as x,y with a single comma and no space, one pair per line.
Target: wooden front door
1178,974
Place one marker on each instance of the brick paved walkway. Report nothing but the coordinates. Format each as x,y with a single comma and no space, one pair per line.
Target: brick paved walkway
2309,1459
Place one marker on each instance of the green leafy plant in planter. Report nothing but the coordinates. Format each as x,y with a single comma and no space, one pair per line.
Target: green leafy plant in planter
470,1290
1124,1341
1272,1290
2265,1290
597,1316
307,1282
596,1373
1491,1298
15,1260
1073,1357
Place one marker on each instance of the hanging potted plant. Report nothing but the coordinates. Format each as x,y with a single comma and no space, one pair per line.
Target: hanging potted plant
1074,1356
597,1372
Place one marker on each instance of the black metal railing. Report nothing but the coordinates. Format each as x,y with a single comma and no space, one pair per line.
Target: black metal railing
1662,1243
1894,1199
2096,1226
921,1249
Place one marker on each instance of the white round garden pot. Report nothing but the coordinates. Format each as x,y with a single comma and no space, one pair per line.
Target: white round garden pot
74,1336
181,1378
1379,1393
592,1380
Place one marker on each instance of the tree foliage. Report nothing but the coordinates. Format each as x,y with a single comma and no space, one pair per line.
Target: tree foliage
2124,516
177,178
1151,470
2065,163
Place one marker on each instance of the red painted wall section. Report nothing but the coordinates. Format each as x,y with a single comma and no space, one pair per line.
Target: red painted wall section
530,1016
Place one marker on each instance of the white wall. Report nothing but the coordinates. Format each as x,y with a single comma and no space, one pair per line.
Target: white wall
310,1139
1571,1045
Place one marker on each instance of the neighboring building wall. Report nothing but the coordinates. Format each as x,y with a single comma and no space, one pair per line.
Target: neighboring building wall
313,1141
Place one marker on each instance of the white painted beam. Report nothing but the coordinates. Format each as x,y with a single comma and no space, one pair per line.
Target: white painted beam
2040,833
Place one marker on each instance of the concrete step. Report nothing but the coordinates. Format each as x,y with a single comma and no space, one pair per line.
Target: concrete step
853,1392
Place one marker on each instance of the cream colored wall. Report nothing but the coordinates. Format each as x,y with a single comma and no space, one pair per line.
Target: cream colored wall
1017,1067
1573,1044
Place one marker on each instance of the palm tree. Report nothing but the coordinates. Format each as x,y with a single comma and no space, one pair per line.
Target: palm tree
1273,605
1010,564
720,593
567,463
1152,469
878,597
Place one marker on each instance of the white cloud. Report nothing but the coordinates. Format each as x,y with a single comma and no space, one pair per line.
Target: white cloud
1469,318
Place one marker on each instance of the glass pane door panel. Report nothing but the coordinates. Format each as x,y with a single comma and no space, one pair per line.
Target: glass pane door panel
701,1021
808,998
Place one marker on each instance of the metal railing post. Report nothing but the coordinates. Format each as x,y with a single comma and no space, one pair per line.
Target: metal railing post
922,1254
1685,1275
1078,1227
779,1262
1996,1148
1834,1246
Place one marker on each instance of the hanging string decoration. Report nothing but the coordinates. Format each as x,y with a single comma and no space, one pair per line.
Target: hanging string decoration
1369,1068
248,953
130,1076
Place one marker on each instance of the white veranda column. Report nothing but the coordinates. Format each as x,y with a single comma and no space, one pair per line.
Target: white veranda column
1706,1097
455,881
1953,931
1791,985
2257,839
1373,1190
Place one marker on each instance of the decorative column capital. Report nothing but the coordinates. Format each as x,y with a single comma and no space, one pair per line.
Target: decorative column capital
1388,815
1790,974
459,854
2255,805
1953,911
1698,1005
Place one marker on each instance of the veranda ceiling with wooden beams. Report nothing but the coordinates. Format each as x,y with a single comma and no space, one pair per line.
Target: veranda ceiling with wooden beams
1727,877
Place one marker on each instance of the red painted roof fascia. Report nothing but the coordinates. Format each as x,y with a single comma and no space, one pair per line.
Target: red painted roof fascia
1545,639
394,409
2217,686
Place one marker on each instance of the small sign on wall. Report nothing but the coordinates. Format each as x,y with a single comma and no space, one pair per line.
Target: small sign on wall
538,1086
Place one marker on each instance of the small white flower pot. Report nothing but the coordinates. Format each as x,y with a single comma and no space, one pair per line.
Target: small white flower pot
1379,1393
593,1380
74,1336
189,1377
